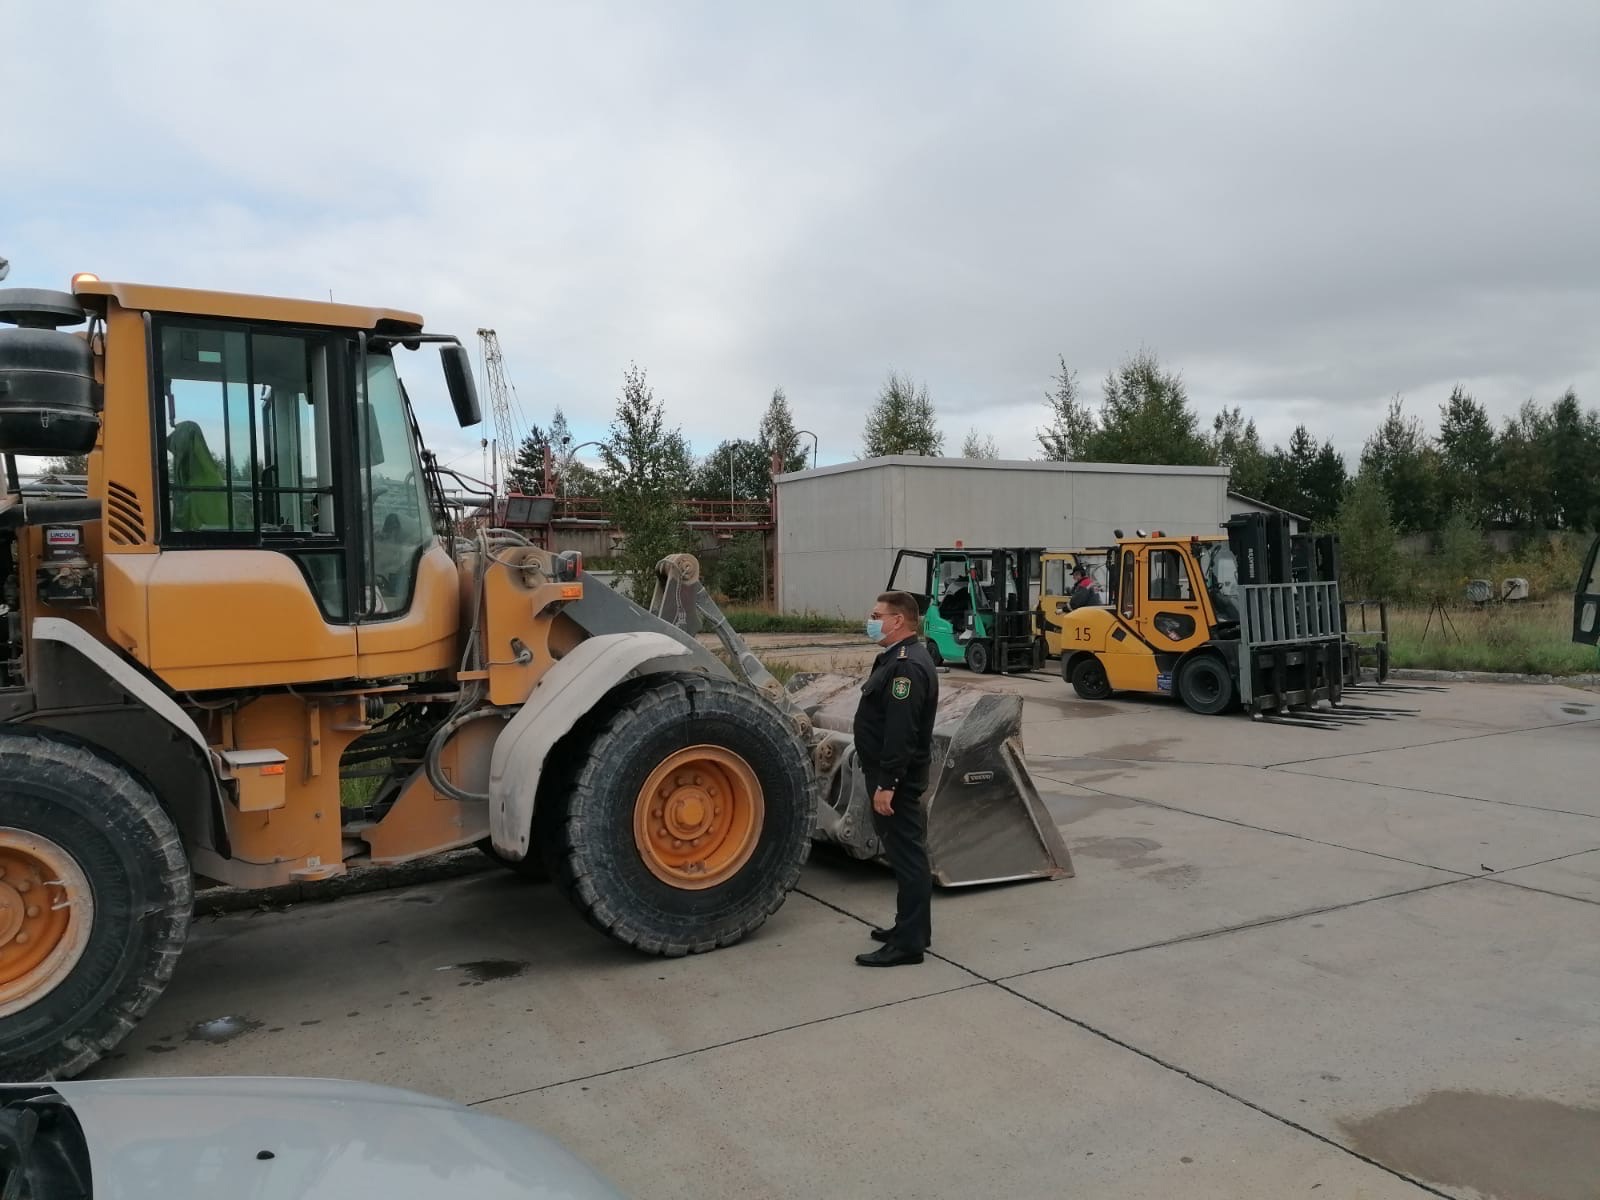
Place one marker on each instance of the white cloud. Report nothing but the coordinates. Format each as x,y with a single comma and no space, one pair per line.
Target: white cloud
1304,208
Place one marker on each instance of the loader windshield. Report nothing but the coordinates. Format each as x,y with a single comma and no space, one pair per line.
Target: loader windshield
399,523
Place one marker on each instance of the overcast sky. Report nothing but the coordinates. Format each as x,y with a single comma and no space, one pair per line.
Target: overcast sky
1304,207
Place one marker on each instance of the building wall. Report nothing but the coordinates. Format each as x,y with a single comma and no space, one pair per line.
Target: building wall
839,527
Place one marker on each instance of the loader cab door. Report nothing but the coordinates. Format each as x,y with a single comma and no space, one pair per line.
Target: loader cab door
293,512
1169,613
1586,600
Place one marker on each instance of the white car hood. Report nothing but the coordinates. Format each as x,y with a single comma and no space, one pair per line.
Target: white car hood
177,1139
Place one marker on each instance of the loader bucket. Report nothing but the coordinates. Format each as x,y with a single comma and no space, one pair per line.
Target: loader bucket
986,821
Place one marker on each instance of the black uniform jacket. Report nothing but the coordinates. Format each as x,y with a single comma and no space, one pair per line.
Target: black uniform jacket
894,721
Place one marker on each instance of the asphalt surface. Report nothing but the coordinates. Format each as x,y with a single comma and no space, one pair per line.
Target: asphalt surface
1294,962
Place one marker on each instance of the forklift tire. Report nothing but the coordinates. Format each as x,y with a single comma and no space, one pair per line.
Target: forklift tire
76,974
1040,654
1205,685
1089,680
978,657
669,760
933,652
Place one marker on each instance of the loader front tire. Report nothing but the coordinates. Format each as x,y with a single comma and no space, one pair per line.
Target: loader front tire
95,898
687,814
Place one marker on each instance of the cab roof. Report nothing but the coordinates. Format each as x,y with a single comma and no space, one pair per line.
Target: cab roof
240,306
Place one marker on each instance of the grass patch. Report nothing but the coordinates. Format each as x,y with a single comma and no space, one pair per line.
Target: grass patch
1532,639
764,620
781,670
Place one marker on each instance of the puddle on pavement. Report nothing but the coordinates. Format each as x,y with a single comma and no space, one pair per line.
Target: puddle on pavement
1124,851
1069,707
221,1030
488,970
1502,1147
1150,751
1576,710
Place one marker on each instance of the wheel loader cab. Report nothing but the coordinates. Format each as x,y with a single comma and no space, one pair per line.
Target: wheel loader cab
295,538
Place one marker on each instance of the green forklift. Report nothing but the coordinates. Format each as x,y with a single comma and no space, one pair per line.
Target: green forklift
979,607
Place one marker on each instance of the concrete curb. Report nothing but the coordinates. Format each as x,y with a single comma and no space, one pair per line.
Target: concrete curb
1431,676
453,864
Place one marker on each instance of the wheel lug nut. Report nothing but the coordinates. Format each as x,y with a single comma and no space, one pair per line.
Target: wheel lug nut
661,832
677,844
33,910
712,791
24,886
21,939
698,781
656,812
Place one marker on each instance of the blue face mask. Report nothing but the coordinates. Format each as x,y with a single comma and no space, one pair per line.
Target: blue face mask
874,630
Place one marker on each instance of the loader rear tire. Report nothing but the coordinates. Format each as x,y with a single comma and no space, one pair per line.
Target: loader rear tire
1089,679
77,973
1205,685
686,815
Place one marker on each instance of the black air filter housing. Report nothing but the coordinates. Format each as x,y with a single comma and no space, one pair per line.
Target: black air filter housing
49,402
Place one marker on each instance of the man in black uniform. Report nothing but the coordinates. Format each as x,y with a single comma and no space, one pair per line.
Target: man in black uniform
894,741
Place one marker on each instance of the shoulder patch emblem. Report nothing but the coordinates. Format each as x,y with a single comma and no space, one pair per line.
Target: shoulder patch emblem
901,689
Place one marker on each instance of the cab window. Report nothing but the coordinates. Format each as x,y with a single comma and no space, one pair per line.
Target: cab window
394,499
247,455
1169,578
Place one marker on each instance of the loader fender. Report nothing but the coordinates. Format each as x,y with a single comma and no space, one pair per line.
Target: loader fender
84,689
569,690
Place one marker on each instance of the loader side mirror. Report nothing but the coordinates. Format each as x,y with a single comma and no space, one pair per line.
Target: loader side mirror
458,378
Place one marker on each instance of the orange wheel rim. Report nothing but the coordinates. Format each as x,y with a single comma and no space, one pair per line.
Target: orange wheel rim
698,817
46,912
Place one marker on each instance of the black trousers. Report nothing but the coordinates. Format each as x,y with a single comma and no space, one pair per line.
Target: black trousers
905,845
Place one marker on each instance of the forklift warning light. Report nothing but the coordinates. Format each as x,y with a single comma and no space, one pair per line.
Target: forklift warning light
572,591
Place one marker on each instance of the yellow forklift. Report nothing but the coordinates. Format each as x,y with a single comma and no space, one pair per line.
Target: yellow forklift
1250,618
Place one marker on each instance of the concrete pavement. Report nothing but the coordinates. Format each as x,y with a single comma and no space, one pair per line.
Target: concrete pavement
1294,962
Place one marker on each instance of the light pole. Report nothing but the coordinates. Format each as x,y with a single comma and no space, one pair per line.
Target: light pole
813,438
567,458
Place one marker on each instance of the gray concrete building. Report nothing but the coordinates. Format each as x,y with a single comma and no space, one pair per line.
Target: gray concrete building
838,527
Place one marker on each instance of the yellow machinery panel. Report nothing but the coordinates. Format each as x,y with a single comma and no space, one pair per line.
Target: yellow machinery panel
426,638
239,618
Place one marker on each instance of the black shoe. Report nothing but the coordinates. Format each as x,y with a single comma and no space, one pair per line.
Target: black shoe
890,956
880,935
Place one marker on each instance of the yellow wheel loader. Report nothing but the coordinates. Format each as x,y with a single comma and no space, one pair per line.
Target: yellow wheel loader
258,596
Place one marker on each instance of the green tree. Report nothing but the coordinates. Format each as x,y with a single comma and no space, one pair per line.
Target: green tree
1071,422
737,571
68,464
1405,464
527,469
1458,558
1523,482
1235,444
979,445
1307,478
1324,485
1145,418
902,421
1573,453
737,469
777,434
647,472
1466,456
1368,544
